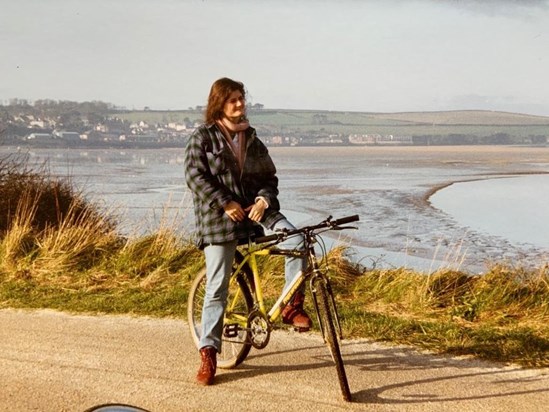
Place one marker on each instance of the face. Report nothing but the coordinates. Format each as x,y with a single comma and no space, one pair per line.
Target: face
235,106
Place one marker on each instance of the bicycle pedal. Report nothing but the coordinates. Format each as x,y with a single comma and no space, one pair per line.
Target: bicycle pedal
231,331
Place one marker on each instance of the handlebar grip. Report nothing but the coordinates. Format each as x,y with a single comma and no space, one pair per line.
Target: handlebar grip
347,219
264,239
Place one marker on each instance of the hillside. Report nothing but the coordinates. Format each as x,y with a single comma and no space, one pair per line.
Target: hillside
467,117
290,117
442,127
100,123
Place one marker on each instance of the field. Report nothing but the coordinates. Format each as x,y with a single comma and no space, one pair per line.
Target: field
467,123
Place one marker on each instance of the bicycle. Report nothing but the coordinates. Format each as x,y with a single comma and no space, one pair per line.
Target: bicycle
247,323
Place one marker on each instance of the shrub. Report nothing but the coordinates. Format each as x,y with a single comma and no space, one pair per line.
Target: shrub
46,226
51,199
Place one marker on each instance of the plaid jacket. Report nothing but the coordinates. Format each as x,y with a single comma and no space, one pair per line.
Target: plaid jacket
212,175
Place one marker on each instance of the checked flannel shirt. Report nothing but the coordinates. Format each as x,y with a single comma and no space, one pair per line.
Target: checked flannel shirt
213,176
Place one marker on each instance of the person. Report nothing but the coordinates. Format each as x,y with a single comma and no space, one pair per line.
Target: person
234,189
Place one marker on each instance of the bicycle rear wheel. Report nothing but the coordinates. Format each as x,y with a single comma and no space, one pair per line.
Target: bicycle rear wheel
235,340
326,312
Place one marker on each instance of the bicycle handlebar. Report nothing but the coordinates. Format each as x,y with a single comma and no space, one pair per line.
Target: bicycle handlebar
347,219
333,224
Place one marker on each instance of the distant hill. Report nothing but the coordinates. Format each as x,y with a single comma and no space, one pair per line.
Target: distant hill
439,127
467,117
292,116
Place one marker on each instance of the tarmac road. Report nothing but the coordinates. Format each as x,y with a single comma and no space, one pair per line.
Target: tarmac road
53,361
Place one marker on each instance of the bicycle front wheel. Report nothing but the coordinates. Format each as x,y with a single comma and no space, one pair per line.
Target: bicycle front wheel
326,312
235,339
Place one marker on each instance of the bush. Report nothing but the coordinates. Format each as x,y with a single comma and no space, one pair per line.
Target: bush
46,227
50,200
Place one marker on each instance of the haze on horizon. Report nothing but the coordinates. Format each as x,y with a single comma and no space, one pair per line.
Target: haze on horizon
346,55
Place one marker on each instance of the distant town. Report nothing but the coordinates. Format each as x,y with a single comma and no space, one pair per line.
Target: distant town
74,128
48,123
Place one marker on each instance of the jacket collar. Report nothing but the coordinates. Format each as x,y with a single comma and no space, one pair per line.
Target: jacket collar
250,132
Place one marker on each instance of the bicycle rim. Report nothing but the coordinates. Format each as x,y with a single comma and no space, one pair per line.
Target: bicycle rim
326,316
234,348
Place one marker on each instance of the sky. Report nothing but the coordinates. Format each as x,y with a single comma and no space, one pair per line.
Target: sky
343,55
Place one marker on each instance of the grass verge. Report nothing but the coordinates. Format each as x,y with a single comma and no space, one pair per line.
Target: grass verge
67,255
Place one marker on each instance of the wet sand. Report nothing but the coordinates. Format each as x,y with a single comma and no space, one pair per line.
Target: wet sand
391,187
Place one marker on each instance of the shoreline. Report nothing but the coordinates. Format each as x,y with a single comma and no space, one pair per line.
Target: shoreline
428,194
389,187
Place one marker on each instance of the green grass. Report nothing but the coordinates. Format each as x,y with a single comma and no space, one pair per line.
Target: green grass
500,315
129,300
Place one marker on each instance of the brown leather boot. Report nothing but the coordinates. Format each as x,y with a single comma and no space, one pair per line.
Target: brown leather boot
208,364
293,314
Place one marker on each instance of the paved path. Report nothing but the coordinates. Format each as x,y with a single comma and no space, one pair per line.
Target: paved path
51,361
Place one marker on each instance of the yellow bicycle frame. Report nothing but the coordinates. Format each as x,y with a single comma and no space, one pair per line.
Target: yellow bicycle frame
249,257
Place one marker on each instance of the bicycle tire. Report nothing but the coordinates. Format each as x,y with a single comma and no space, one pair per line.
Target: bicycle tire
234,349
331,337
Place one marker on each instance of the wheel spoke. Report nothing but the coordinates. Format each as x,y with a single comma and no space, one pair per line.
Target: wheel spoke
234,349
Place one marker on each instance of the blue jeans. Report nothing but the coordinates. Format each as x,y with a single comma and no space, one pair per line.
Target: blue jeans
219,261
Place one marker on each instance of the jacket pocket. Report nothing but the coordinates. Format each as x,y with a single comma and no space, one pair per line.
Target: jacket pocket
217,162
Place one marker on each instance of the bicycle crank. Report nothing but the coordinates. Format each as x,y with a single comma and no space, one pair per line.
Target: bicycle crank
260,329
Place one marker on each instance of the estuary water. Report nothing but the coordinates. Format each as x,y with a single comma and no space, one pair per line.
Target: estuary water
516,208
487,209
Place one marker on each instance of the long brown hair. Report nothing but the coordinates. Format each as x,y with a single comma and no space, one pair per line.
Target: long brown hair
219,93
